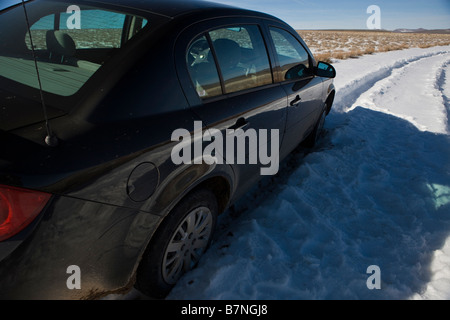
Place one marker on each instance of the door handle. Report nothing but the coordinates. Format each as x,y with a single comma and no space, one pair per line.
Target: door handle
240,123
295,101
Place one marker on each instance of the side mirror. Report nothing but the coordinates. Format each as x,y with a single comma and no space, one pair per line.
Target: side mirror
324,69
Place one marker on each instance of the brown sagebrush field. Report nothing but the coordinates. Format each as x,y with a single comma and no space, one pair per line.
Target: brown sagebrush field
327,45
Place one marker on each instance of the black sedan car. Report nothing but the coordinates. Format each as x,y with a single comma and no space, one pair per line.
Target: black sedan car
127,127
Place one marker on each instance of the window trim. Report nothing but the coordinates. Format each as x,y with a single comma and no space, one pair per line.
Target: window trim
216,62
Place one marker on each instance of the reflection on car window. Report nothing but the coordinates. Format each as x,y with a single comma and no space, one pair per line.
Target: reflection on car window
100,29
241,56
292,56
202,69
67,58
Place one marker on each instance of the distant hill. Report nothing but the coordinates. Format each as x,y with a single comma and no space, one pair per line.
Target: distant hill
421,30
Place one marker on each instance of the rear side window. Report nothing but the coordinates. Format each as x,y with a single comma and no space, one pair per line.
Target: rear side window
292,56
202,69
241,57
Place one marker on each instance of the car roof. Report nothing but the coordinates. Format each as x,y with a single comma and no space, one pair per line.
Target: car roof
171,8
167,8
9,3
174,8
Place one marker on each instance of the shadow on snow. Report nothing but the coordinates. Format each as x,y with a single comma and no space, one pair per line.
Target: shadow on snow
374,191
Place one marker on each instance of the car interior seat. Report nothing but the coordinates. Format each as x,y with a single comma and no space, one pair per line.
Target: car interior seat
62,50
229,55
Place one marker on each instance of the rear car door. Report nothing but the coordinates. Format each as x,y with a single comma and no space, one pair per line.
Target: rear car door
227,77
294,70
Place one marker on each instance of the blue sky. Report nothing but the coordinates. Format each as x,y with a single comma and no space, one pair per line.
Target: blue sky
349,14
352,14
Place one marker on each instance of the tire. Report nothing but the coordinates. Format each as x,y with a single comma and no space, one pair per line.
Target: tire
313,137
182,238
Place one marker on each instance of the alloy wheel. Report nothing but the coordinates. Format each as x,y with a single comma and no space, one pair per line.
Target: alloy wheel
187,244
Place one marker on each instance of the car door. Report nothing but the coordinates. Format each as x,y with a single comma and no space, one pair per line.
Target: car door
294,70
227,78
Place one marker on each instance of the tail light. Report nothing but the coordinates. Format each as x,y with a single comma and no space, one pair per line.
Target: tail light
18,208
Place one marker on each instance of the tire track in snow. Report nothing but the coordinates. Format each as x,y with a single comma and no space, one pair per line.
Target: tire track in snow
412,92
443,86
349,93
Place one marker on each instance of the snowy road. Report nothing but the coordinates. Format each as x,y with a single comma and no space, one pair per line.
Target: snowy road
375,192
413,91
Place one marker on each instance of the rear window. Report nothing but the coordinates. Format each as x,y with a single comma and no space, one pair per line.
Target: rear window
72,42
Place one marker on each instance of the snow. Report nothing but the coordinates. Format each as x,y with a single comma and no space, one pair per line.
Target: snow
374,192
423,104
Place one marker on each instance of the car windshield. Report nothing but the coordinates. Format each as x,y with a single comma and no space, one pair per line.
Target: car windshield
71,43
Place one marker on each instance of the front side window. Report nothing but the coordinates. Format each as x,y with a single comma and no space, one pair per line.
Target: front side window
70,45
240,55
292,56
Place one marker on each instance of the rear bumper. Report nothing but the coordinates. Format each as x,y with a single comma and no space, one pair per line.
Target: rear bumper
104,241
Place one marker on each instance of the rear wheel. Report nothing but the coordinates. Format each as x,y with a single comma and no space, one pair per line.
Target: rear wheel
183,237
